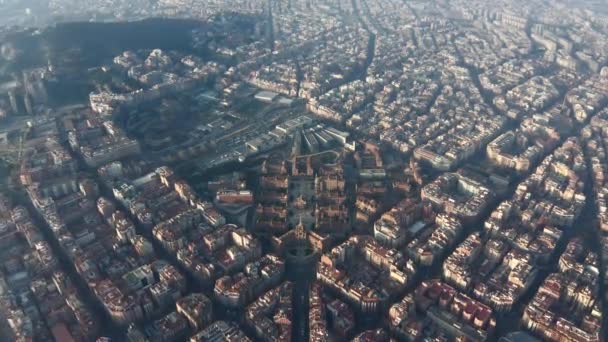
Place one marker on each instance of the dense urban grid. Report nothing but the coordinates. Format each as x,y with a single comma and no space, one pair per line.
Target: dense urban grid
306,170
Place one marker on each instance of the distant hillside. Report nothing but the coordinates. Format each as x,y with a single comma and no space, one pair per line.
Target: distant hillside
96,43
100,41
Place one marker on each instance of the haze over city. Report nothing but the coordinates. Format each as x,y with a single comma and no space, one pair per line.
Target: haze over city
303,170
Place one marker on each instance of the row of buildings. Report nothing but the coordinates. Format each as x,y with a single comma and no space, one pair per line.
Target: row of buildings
523,232
37,298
